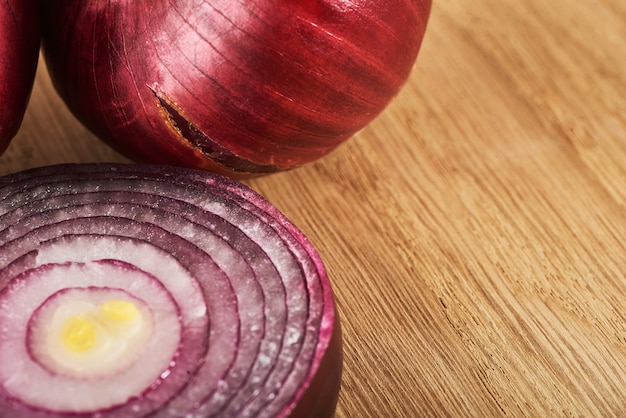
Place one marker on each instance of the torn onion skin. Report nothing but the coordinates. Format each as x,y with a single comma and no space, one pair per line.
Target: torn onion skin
130,290
241,87
19,53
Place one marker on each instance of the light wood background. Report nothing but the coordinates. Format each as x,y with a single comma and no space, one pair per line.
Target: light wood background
474,232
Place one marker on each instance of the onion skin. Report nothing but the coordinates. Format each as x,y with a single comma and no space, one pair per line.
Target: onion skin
243,88
19,53
321,396
210,245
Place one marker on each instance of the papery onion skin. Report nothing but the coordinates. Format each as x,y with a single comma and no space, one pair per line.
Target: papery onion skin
186,220
243,88
19,53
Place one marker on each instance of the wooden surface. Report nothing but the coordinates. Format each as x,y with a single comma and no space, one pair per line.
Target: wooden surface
475,232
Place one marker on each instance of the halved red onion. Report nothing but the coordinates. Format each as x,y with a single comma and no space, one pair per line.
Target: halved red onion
133,290
19,53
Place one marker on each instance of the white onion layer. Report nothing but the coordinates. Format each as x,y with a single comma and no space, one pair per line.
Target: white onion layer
74,334
27,379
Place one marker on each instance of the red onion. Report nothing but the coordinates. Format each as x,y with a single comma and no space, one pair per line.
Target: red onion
243,87
133,291
19,53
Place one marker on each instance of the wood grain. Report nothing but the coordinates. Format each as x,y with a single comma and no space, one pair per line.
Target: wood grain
475,232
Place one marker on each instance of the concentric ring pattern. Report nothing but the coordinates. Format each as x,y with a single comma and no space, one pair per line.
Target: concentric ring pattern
237,305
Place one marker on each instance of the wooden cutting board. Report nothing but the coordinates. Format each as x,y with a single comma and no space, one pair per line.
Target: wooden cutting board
474,232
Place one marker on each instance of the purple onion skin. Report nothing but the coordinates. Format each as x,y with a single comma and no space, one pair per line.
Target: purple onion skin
19,53
320,397
241,87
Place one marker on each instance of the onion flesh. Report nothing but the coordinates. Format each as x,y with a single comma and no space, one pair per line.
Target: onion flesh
236,314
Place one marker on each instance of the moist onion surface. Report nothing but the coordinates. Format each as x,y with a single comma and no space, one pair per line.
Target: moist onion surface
137,290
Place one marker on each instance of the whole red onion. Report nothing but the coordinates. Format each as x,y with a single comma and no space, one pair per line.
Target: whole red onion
19,52
242,87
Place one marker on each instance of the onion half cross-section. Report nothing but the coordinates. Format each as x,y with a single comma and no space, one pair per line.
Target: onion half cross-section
131,290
